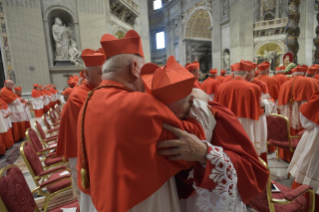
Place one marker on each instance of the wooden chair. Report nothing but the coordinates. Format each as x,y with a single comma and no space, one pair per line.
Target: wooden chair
44,139
15,194
278,128
286,200
50,159
58,110
53,179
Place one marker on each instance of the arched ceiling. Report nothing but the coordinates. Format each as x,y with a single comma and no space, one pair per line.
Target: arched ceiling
198,25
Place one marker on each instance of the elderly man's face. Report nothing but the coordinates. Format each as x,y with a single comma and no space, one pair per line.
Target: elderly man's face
9,85
196,73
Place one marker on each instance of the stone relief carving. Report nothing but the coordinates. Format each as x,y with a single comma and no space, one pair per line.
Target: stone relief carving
268,4
61,35
225,7
123,12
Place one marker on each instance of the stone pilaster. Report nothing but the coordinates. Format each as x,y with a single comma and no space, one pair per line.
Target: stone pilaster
293,30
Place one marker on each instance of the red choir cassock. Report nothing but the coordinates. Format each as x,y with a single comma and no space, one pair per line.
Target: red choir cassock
7,137
243,99
229,78
273,84
280,77
292,95
37,102
210,85
222,77
67,140
18,116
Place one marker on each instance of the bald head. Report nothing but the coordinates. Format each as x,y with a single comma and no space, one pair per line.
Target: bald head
9,84
125,69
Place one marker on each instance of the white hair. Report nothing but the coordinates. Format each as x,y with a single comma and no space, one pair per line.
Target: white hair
298,73
119,63
241,74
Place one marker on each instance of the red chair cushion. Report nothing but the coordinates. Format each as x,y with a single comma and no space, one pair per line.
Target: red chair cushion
35,140
33,158
15,191
71,204
285,144
260,202
277,128
54,160
59,185
40,130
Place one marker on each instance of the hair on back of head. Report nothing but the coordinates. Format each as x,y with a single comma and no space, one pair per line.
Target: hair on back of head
119,63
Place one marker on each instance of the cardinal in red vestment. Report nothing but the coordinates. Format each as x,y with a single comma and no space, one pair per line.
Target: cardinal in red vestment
37,102
210,84
194,69
312,71
279,76
18,116
67,139
273,84
222,77
292,95
244,100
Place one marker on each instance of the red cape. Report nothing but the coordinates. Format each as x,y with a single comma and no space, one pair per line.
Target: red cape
67,140
3,104
35,93
303,88
8,95
228,78
241,97
273,85
221,79
121,131
310,109
197,85
262,85
210,85
281,79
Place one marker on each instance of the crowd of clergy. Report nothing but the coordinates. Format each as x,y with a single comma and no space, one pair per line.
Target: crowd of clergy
140,138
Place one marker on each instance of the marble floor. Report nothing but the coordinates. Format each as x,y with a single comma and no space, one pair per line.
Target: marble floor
277,168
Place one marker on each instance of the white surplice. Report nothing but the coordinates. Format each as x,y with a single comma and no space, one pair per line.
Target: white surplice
304,165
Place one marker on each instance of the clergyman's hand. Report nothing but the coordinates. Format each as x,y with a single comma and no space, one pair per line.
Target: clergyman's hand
186,147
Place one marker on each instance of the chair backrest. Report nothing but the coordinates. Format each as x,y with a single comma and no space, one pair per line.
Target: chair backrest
39,129
31,159
58,109
33,137
15,192
277,127
45,120
53,119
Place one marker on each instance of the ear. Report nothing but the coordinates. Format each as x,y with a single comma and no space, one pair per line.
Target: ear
135,70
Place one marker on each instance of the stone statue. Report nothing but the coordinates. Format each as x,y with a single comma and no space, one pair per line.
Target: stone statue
74,53
270,56
226,60
61,35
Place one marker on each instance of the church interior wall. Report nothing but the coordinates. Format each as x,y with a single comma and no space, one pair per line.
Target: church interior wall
27,42
305,39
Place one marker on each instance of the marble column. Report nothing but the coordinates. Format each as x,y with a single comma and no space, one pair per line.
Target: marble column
277,9
306,25
48,43
216,35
